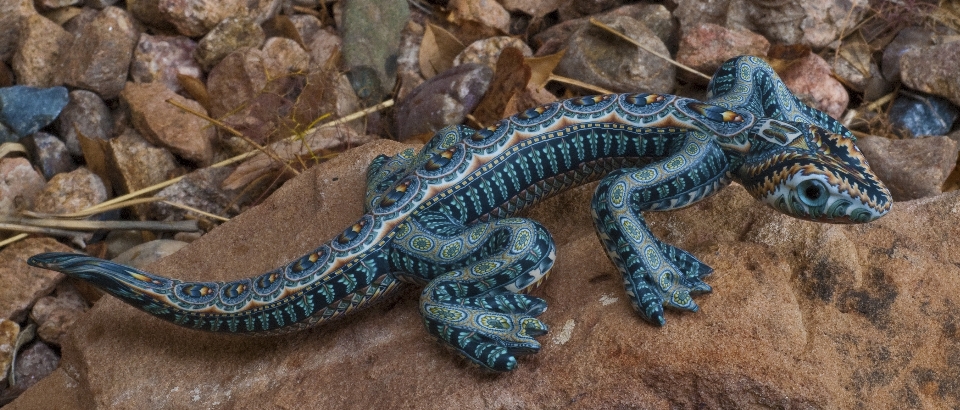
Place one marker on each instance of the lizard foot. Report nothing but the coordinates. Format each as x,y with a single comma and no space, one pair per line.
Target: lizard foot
492,330
670,280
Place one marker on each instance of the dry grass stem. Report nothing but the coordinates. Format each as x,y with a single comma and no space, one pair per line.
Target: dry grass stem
198,211
634,42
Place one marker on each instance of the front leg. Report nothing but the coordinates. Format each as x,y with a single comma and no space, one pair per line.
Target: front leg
655,273
474,278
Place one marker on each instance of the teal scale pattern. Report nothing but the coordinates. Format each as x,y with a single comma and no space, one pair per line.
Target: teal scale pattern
445,217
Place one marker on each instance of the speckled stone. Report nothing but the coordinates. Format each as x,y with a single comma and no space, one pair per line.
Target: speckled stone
195,18
86,113
20,184
229,35
487,51
71,192
161,58
20,284
56,314
24,110
99,57
186,135
48,153
39,51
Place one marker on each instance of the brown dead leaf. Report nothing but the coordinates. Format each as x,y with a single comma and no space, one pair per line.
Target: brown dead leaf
281,26
781,57
857,53
511,77
532,96
541,68
196,89
95,153
437,50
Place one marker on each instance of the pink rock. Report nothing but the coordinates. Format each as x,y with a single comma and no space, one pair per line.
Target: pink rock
55,315
19,185
41,43
323,45
71,192
284,57
162,58
228,36
811,80
196,17
706,46
163,124
99,57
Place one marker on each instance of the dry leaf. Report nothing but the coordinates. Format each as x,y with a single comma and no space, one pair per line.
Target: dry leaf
857,53
196,89
283,27
8,148
511,77
95,154
301,151
541,68
781,57
437,50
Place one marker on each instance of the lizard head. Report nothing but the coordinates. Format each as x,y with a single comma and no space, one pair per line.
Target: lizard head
811,173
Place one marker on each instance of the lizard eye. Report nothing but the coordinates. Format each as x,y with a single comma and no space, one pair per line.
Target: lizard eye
812,192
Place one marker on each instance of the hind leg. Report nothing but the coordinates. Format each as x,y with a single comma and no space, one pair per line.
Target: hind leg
474,277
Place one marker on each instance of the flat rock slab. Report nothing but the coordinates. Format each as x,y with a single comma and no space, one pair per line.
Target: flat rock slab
803,315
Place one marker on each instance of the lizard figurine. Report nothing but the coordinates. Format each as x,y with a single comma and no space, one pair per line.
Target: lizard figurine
443,217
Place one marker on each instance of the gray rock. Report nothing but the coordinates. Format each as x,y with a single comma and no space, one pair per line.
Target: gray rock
195,18
202,190
371,38
86,113
34,362
600,59
916,114
48,153
24,110
911,168
445,99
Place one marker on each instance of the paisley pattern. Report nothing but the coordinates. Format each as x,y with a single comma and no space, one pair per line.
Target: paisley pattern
443,218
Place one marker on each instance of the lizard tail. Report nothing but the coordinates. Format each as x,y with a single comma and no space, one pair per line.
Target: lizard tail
303,293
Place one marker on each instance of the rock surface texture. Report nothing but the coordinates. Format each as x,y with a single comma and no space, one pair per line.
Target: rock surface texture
803,315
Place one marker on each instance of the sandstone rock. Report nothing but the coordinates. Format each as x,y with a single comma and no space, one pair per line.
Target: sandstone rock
138,164
11,12
19,185
803,315
146,253
324,46
148,12
597,58
20,284
99,56
487,51
933,70
706,46
71,192
39,48
575,9
655,16
284,57
55,315
911,168
48,153
811,80
229,35
442,100
906,39
86,113
195,18
533,8
163,124
8,342
488,13
161,58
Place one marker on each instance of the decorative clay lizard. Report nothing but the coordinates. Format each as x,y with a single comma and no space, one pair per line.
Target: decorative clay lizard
443,217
